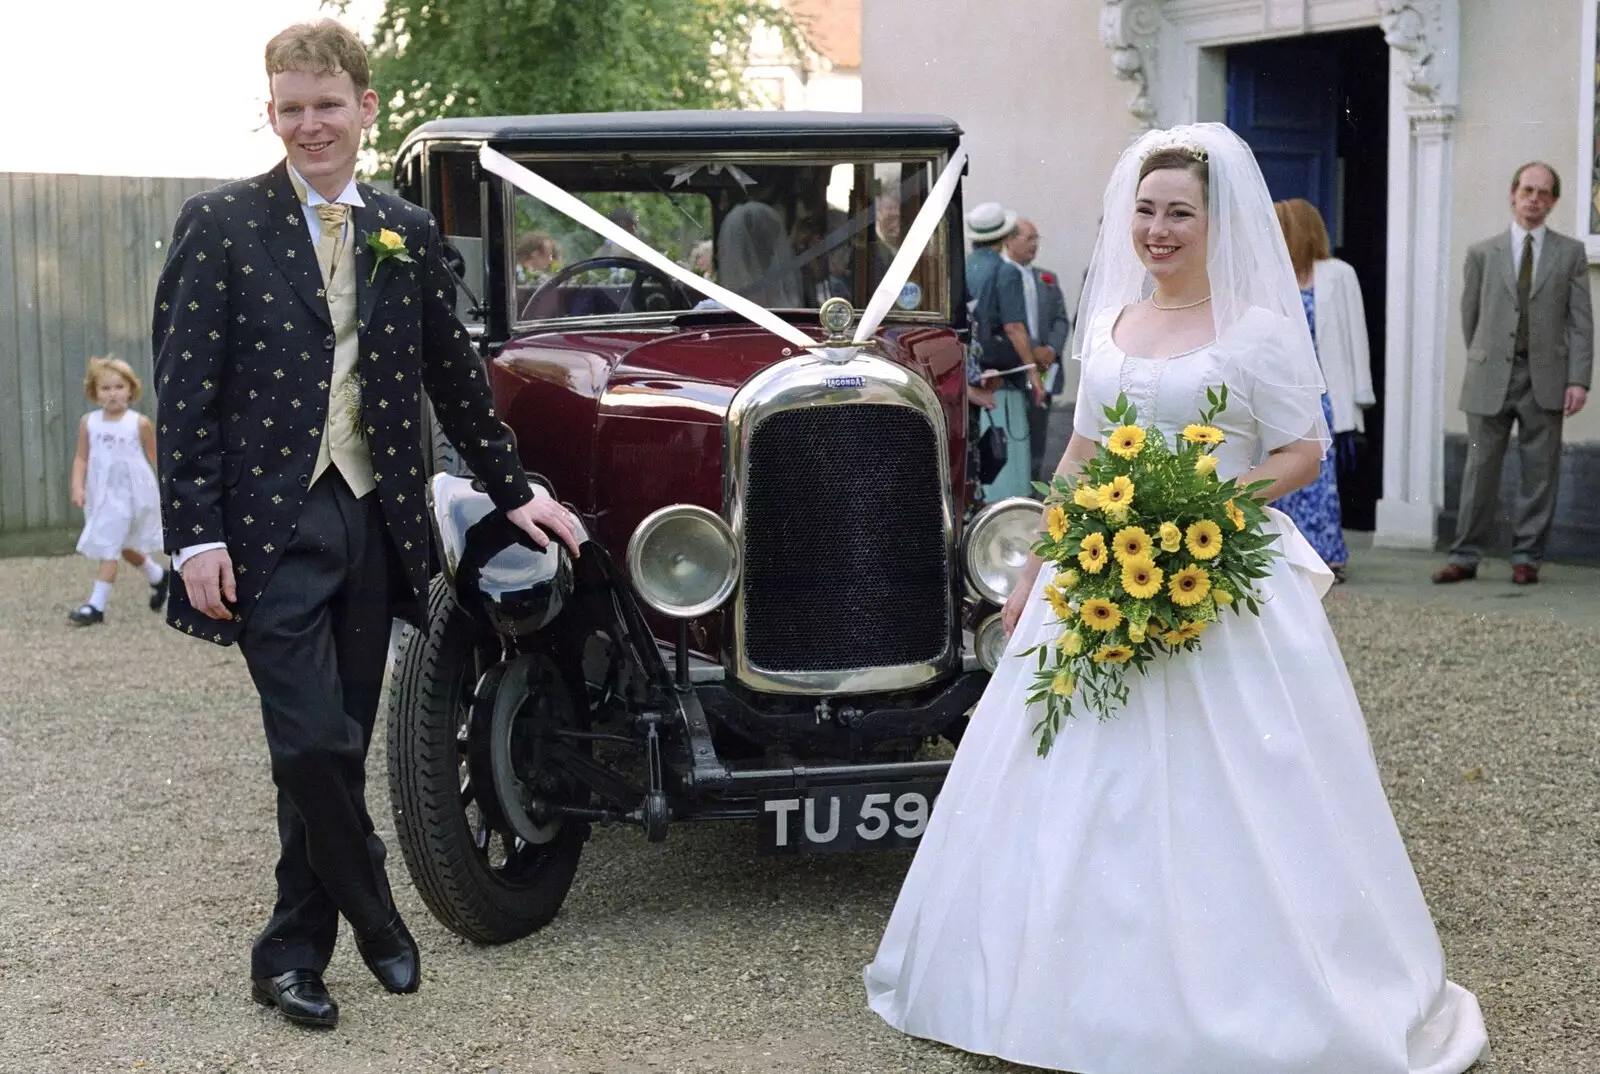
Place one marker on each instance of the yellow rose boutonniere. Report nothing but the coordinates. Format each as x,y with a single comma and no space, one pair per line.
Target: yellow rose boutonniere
1171,537
386,245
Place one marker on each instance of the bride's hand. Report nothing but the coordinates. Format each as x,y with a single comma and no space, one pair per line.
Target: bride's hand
1011,614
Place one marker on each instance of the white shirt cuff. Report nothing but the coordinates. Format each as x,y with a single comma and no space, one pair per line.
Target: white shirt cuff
193,550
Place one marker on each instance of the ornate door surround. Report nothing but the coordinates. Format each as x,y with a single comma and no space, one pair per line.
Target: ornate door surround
1172,53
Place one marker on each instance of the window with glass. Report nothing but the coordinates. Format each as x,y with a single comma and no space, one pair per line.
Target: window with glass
785,233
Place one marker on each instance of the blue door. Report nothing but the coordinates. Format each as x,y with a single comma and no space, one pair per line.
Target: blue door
1283,101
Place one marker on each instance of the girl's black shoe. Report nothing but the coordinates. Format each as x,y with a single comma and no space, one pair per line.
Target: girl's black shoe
87,615
158,592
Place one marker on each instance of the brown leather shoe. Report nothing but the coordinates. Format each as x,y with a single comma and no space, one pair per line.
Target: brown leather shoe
1454,572
1524,574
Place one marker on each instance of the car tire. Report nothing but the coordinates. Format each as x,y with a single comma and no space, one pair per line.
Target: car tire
435,670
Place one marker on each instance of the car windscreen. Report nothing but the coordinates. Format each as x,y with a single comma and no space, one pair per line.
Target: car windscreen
785,232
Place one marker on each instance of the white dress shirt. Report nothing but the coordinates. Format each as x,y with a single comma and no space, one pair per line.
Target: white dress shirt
1517,235
348,196
1030,297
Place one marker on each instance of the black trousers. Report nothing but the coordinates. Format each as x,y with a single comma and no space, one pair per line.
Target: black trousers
316,645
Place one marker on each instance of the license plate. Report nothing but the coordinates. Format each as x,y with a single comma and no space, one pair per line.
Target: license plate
830,820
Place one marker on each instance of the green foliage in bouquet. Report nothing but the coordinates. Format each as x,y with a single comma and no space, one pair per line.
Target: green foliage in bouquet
1150,546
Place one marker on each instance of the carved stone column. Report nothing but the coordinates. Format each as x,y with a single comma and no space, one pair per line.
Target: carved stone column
1423,36
1129,28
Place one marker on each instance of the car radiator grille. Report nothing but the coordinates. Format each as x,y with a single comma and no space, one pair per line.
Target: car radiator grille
844,543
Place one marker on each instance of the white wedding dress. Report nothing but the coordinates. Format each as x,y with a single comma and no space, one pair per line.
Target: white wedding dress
1210,882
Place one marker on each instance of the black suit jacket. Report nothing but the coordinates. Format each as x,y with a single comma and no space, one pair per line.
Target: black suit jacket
244,345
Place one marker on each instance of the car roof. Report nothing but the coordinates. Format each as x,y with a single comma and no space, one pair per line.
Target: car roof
702,129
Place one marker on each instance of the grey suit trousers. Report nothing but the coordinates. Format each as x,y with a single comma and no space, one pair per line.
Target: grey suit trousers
1538,450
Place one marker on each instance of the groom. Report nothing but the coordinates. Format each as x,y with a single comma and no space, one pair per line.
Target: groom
299,319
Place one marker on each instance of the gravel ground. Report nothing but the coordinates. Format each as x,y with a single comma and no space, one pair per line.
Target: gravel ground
136,814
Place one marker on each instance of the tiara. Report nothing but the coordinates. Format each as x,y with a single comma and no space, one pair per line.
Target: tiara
1172,140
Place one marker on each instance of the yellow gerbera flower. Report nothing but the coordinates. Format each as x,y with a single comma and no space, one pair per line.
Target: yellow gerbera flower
1058,602
1235,515
1171,537
1055,520
1117,495
1131,543
1171,637
1141,579
1067,579
1205,465
1203,434
1113,654
1070,642
1193,628
1101,614
1204,539
1092,557
1189,586
1126,441
1086,497
1063,684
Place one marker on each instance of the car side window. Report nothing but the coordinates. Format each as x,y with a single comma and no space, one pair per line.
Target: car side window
457,199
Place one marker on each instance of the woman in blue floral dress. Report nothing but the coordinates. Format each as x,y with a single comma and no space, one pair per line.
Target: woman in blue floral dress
1330,294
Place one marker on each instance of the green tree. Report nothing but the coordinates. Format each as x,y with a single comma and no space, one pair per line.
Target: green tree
433,59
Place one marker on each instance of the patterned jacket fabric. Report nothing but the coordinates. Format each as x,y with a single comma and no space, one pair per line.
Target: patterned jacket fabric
244,347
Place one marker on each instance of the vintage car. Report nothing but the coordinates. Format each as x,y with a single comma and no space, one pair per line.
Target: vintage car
784,596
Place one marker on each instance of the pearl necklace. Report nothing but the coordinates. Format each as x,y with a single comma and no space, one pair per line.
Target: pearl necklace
1185,306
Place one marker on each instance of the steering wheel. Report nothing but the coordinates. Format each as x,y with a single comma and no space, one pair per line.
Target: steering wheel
636,301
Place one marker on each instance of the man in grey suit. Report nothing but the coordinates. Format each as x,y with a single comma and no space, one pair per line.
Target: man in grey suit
1530,344
1047,329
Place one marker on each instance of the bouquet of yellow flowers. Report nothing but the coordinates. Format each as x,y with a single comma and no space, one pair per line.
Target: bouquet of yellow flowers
1150,546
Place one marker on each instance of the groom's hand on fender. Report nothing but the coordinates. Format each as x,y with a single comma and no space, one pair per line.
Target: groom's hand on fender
544,512
208,581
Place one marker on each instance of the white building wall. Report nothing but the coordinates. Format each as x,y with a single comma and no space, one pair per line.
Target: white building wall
1045,117
1033,89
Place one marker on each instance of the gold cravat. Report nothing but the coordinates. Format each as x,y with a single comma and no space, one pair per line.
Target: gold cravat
330,244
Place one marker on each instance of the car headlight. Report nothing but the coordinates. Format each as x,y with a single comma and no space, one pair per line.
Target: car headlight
989,642
683,560
996,545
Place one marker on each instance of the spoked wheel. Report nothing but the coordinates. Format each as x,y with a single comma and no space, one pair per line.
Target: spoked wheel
471,785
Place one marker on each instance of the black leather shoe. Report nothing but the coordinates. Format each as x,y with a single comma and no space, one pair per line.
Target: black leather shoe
300,996
158,592
392,956
86,615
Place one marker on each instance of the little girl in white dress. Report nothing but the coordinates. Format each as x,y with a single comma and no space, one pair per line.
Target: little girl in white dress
114,481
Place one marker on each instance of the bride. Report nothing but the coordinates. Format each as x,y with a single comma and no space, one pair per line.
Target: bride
1211,881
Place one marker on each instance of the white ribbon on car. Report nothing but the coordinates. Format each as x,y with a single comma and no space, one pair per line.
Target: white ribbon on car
916,239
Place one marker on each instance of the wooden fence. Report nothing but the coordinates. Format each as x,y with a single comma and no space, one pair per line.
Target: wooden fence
79,260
